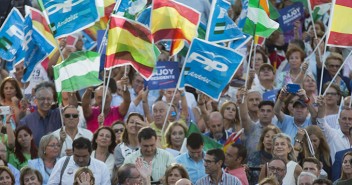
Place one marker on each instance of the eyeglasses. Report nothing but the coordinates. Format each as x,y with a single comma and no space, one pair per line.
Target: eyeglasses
119,130
272,168
71,115
54,145
330,94
44,99
334,66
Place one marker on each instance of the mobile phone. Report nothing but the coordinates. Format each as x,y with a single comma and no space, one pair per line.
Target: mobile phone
5,110
293,88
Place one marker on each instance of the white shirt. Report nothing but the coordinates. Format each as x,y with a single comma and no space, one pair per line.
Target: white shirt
110,161
98,168
335,138
82,132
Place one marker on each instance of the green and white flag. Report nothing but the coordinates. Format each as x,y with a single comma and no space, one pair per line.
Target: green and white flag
258,22
80,70
320,10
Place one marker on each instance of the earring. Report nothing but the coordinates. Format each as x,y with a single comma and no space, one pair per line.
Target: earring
44,153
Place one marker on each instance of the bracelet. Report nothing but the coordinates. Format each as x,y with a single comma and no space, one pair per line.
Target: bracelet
298,141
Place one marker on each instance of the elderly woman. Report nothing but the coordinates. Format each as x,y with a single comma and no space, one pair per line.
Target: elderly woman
175,134
30,176
49,151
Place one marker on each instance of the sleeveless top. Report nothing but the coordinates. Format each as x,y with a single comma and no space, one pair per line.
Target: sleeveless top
289,179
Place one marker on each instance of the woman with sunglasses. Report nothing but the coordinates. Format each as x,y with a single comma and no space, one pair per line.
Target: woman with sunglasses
70,131
49,150
129,144
118,127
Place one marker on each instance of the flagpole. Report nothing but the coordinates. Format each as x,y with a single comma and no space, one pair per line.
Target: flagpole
337,73
313,25
105,92
322,71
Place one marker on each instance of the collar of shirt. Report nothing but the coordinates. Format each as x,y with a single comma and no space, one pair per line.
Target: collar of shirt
222,177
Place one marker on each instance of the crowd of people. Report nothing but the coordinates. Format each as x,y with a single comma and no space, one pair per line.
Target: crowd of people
293,117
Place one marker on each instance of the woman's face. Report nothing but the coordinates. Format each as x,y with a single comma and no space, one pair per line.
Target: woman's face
268,140
331,96
132,125
309,84
174,176
333,66
315,141
24,138
5,178
177,135
281,148
9,90
52,150
295,60
104,138
258,61
31,179
230,112
118,130
346,164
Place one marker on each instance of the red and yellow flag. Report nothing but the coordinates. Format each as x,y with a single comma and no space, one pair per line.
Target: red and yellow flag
130,42
173,21
340,32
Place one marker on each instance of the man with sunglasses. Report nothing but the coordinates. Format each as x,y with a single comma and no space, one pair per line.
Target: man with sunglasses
70,131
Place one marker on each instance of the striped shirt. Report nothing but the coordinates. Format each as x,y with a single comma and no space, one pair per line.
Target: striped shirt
226,179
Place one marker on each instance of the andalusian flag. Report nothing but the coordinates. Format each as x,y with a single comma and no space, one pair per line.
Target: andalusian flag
209,143
130,42
171,20
258,22
340,32
80,70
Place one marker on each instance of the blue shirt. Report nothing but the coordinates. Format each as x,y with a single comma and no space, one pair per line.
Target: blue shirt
41,126
226,179
16,173
196,170
289,127
38,164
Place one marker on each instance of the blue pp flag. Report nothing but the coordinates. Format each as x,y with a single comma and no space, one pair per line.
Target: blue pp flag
144,16
209,67
88,42
243,15
166,76
221,27
11,35
130,8
35,46
237,44
70,16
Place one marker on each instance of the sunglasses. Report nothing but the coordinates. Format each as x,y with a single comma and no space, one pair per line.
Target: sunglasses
118,130
71,115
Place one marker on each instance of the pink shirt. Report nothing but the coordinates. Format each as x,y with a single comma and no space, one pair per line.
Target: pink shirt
113,115
240,173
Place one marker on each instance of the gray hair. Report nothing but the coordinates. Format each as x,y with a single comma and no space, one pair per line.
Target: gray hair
44,141
309,174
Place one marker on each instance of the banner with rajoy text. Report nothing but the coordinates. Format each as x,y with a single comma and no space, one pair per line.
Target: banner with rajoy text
67,17
289,15
165,76
209,67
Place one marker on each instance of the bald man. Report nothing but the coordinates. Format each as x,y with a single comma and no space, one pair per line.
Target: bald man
183,181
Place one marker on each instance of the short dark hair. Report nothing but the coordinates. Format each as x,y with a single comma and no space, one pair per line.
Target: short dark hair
82,143
242,151
312,160
146,133
124,172
266,102
322,181
218,154
195,140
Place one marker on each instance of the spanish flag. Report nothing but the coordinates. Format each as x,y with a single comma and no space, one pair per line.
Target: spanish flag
171,20
340,32
130,42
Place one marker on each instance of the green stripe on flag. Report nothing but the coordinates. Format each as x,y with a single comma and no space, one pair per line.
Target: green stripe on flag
208,142
219,28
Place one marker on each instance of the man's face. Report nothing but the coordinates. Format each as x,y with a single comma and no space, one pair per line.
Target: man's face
3,152
138,83
216,127
71,117
159,113
312,168
231,157
148,147
266,114
266,74
277,168
345,120
211,166
44,98
253,100
195,154
81,157
98,95
300,112
169,93
305,180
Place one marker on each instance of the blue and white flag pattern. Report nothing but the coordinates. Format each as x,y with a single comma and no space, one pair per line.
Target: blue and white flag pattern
243,15
209,67
130,8
238,44
221,27
70,16
35,46
11,35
